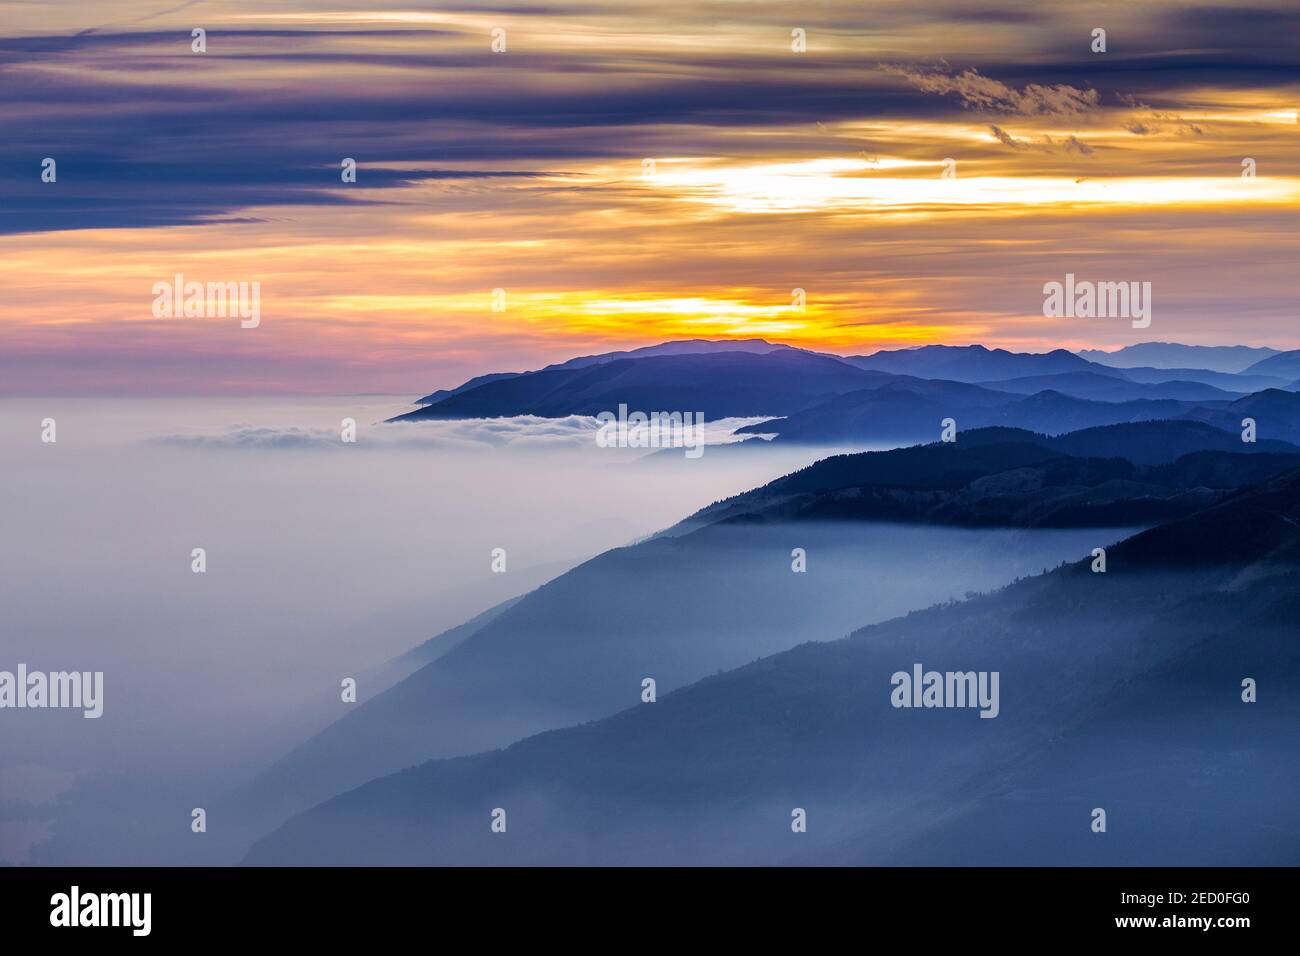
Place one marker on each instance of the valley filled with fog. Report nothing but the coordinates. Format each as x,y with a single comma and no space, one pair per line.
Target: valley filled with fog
324,560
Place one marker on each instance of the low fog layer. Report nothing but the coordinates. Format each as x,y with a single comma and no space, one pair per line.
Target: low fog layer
324,559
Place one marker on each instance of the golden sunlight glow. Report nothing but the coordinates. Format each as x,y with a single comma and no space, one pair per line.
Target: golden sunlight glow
610,176
824,184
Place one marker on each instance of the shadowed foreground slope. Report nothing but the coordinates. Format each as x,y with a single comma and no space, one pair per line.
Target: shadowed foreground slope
884,532
1119,690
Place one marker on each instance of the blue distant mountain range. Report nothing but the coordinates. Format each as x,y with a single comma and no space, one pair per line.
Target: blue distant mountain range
1121,683
893,396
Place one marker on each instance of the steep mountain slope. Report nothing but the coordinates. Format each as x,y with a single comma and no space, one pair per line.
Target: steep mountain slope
674,609
1010,477
434,397
1119,690
719,590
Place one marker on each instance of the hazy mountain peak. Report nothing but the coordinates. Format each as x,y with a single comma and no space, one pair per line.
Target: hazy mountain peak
1217,358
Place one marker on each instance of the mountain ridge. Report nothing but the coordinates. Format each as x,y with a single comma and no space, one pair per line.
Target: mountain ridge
710,772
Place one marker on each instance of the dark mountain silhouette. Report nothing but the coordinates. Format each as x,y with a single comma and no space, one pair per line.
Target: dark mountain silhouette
1118,690
679,347
1011,477
973,363
575,648
682,347
888,397
967,363
1159,442
674,608
718,384
1217,358
475,382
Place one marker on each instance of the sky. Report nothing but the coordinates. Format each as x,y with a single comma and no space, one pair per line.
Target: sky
627,173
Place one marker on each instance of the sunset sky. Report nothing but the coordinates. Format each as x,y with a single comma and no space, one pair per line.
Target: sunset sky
526,170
